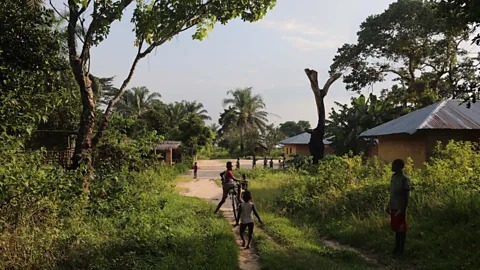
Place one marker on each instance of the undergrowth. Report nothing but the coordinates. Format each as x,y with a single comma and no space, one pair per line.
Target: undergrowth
345,199
131,218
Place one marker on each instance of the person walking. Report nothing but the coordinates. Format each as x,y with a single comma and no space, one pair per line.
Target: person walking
265,162
246,209
254,162
238,163
271,163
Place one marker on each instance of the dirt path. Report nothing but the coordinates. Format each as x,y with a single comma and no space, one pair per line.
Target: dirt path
204,187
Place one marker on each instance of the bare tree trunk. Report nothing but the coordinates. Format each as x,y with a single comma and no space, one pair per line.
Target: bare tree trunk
316,146
242,135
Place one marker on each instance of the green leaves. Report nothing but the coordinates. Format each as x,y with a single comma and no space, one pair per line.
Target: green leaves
158,21
413,44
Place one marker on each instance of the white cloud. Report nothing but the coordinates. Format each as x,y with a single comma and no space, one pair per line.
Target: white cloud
304,44
292,26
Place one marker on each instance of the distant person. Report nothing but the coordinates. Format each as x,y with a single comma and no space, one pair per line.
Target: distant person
246,210
271,163
227,184
397,206
283,162
195,169
265,162
238,163
254,162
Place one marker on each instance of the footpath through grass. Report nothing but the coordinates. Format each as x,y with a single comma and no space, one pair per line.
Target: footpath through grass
345,200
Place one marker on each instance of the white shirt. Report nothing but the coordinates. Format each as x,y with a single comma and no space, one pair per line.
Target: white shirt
247,212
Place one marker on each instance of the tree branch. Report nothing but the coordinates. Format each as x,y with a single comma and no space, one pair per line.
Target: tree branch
65,18
329,82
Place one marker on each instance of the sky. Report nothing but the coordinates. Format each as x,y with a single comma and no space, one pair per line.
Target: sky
269,55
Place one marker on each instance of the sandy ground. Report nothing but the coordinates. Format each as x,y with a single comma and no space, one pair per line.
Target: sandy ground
206,188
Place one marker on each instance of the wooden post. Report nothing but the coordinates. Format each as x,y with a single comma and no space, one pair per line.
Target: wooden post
169,156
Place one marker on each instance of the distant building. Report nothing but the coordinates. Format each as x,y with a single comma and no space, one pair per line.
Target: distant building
416,134
171,151
298,145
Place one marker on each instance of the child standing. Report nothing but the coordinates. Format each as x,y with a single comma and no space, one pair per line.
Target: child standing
195,169
238,163
271,163
397,206
245,214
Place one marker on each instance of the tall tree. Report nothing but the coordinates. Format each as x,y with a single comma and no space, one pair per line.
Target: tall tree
155,23
316,145
248,111
290,128
272,136
136,101
197,108
415,46
466,14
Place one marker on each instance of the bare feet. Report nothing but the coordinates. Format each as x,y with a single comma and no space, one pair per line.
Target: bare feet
243,244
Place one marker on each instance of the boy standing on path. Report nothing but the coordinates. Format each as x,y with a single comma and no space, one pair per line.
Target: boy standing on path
238,163
265,161
397,207
254,162
271,163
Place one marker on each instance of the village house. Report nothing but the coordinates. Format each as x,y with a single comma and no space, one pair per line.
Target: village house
416,134
298,145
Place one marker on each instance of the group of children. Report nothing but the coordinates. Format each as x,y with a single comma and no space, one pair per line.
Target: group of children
397,206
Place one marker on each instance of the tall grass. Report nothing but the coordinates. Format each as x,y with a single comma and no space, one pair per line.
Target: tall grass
346,199
129,220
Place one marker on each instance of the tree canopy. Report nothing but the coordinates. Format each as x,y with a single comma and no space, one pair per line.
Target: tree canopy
414,46
292,128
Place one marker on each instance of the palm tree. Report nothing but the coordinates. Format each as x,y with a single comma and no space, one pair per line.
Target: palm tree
136,101
248,111
175,113
196,108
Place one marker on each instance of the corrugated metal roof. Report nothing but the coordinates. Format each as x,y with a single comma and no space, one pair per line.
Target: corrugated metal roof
303,138
447,114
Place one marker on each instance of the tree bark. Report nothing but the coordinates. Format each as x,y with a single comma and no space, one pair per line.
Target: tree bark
316,145
242,135
87,118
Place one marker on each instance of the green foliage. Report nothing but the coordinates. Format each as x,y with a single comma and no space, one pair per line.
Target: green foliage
136,101
157,21
345,126
290,128
410,42
347,197
129,219
36,84
245,112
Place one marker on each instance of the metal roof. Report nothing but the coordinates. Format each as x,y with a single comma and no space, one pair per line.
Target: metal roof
447,114
303,138
167,145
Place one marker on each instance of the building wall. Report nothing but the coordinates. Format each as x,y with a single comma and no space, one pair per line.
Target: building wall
301,149
391,147
444,136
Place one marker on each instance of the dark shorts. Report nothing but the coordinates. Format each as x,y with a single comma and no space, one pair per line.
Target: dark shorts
226,188
398,223
243,227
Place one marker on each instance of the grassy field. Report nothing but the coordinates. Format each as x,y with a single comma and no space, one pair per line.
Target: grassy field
345,201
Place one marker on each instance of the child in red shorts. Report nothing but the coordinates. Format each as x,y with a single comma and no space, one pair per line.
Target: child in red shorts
397,206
